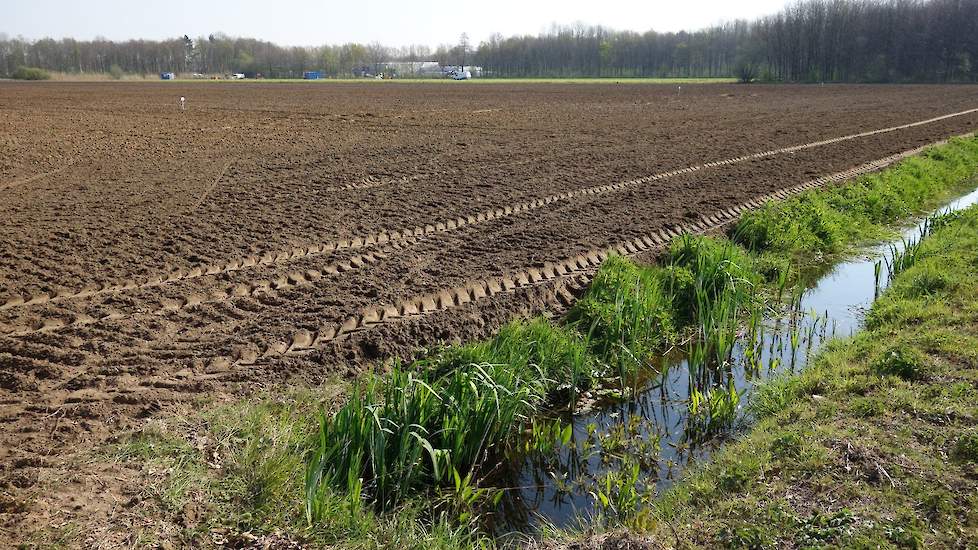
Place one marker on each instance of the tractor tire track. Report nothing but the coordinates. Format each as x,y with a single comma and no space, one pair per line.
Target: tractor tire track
575,271
36,177
371,182
18,299
252,288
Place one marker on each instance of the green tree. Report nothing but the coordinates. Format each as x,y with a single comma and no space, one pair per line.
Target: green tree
244,61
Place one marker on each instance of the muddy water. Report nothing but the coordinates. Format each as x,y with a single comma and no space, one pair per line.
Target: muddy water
655,427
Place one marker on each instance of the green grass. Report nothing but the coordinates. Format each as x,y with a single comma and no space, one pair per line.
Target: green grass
713,285
822,224
626,314
403,432
853,452
30,73
242,463
238,469
558,354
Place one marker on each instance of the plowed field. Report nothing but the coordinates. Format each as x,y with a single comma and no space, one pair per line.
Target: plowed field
150,255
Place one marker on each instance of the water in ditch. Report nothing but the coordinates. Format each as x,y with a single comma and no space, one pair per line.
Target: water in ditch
655,429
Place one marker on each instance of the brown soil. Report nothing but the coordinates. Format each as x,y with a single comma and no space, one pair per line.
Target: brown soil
150,256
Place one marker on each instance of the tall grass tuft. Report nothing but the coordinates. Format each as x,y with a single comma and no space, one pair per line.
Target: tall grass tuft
404,431
714,268
558,353
712,284
710,410
902,258
627,314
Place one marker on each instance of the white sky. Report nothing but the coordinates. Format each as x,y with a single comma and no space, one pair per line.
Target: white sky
391,22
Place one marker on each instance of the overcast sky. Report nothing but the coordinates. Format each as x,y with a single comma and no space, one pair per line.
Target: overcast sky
391,22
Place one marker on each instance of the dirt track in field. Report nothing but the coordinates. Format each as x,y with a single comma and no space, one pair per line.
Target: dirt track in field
151,256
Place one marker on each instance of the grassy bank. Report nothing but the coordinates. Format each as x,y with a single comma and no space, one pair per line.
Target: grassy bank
819,226
405,460
875,445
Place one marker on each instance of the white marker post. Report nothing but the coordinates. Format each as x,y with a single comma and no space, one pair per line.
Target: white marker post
183,103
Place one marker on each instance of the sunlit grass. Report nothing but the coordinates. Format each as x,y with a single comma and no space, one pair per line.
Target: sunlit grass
823,223
876,433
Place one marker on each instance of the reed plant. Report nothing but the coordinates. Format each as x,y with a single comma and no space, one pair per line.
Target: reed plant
711,410
626,314
716,299
401,432
901,258
558,354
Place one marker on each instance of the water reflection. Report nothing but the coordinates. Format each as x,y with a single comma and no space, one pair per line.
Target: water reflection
655,432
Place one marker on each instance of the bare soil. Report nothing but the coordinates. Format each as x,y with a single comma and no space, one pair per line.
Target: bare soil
152,256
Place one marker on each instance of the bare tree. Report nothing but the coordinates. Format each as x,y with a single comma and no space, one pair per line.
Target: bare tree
377,53
810,40
463,46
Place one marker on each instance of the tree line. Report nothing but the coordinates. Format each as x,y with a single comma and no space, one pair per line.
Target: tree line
811,40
